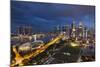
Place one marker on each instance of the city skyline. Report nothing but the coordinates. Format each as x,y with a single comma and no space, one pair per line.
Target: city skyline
41,15
51,33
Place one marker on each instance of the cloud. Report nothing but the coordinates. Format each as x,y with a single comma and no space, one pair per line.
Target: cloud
44,16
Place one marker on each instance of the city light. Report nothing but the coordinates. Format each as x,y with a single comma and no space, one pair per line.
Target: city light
74,44
50,34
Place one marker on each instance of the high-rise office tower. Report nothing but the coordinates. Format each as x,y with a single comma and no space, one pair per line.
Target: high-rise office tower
85,33
80,31
73,30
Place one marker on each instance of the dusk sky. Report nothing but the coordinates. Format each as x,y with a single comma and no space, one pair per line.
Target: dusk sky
45,16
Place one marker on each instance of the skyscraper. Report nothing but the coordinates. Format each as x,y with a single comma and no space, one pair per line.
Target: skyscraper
85,32
24,30
73,30
81,29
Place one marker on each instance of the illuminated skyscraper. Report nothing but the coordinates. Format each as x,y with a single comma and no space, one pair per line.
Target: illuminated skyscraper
85,32
73,30
81,29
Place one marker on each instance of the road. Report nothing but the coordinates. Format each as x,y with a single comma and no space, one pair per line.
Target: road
18,60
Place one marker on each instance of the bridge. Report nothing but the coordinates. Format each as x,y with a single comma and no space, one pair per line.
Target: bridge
18,60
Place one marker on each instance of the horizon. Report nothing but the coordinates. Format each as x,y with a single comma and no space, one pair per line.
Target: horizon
44,16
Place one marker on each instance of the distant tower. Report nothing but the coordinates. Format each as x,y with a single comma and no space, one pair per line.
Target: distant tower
85,32
67,30
81,30
35,37
58,28
73,29
80,24
24,30
30,30
20,30
17,30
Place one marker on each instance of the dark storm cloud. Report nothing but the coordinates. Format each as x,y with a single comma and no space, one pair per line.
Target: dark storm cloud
46,14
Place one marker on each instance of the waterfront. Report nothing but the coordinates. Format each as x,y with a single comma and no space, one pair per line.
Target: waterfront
51,33
60,51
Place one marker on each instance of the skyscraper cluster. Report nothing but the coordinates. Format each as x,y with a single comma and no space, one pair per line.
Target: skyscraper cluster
79,31
24,30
